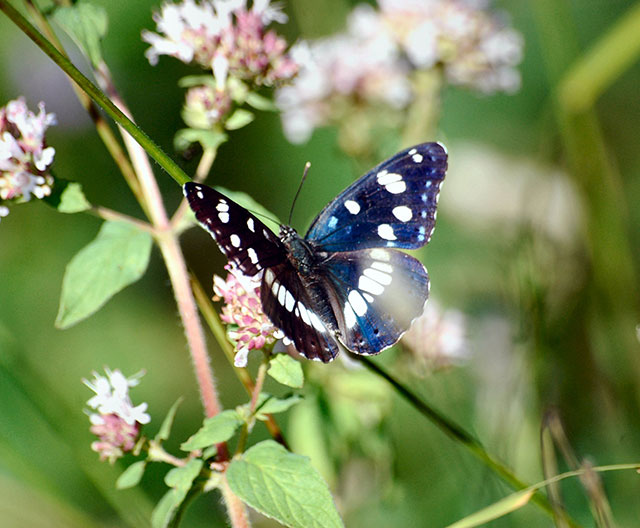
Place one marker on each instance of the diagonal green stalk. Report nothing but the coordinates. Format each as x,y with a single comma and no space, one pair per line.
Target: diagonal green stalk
96,94
456,432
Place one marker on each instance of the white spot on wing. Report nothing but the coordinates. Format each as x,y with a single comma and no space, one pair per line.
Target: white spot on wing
289,301
368,297
224,217
396,187
304,314
349,316
316,322
235,240
378,276
402,213
200,195
282,292
251,225
253,256
386,231
417,158
357,302
412,151
222,206
380,254
369,285
382,266
352,206
333,222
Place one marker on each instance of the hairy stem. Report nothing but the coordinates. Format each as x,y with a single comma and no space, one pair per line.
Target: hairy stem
236,509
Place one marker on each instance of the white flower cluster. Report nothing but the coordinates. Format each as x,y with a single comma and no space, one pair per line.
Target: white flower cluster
112,397
24,156
373,59
117,422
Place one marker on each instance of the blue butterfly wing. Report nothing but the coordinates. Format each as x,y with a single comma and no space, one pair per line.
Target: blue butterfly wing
393,205
378,293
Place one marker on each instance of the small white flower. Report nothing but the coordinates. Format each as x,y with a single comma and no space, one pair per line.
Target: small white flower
4,211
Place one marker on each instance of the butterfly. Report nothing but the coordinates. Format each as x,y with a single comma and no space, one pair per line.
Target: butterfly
344,284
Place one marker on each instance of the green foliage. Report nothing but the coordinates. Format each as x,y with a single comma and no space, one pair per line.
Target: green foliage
180,480
219,428
207,138
132,475
239,119
167,423
283,486
117,257
67,197
87,25
286,370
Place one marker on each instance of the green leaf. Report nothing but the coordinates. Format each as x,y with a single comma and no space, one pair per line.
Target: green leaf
507,505
286,370
274,405
165,428
87,25
283,486
240,118
166,508
260,102
117,257
190,81
246,201
185,137
183,477
219,428
180,479
67,197
132,475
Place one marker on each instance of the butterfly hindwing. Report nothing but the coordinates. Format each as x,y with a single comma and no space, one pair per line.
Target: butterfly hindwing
246,241
393,205
380,292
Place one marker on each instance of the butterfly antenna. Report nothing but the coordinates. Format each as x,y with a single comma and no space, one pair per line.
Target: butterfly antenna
304,177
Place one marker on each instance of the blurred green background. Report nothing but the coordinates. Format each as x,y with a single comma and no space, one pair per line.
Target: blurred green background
537,243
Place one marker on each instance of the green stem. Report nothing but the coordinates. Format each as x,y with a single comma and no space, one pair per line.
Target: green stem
102,127
456,432
109,214
136,132
422,115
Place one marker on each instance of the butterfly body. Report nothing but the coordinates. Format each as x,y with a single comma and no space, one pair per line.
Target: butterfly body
344,284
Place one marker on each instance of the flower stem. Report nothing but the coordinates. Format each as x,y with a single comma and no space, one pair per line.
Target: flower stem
422,116
90,89
460,435
109,214
202,171
236,509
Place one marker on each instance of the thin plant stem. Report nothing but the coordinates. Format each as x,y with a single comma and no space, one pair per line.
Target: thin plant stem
456,432
422,116
102,127
215,325
114,216
92,90
236,509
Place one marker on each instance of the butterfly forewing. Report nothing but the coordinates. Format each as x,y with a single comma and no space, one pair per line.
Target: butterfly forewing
393,205
380,292
246,241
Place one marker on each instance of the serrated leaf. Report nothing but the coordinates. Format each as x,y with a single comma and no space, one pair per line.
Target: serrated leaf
67,197
185,137
117,257
87,25
167,423
240,118
132,475
246,201
286,370
219,428
504,506
283,486
260,102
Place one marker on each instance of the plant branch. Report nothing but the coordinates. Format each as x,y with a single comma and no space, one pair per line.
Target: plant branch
89,88
456,432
